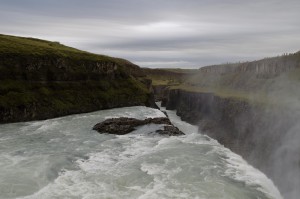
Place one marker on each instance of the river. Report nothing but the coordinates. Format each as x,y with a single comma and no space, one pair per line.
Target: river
65,158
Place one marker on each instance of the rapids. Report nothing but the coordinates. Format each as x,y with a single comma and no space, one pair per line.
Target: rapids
65,158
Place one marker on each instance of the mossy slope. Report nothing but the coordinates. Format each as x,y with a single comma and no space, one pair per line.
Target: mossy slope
272,80
41,79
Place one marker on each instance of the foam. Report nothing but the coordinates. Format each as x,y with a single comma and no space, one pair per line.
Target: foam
138,165
240,170
107,174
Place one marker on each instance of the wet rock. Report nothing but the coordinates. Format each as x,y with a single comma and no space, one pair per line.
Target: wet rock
166,114
158,120
170,130
124,125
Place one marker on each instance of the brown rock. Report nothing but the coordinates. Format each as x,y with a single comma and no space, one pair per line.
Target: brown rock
170,130
123,125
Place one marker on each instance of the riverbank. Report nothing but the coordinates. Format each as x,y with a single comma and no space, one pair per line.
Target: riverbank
41,79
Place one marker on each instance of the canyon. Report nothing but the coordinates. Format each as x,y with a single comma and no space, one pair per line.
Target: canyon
251,108
41,79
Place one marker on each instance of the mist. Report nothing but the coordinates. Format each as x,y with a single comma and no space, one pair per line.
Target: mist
253,108
284,129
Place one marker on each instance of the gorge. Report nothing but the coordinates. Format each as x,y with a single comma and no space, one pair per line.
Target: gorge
41,79
251,108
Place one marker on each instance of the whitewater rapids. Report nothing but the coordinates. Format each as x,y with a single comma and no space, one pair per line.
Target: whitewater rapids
65,158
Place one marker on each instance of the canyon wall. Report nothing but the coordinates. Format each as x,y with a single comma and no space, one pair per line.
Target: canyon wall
41,79
252,108
266,136
268,67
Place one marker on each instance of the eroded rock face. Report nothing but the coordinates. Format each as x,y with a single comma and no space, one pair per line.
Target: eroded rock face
124,125
261,134
42,80
265,68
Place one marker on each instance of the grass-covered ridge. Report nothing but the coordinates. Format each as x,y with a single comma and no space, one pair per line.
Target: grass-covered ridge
41,79
168,76
268,81
37,47
19,53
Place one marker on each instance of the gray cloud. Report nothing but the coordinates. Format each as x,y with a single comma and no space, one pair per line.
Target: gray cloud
169,33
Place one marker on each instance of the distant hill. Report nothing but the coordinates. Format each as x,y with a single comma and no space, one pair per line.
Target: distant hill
265,80
167,76
259,80
41,79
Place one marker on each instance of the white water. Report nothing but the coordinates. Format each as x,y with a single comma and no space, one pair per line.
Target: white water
64,158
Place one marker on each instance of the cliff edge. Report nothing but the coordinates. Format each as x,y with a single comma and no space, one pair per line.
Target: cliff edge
41,79
253,108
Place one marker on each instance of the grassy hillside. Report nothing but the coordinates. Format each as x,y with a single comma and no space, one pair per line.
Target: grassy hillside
282,88
42,79
37,47
168,76
18,54
271,80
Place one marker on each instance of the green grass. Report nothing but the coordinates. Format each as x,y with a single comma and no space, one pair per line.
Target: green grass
40,60
48,79
37,47
71,96
283,89
168,76
226,93
16,53
180,70
164,80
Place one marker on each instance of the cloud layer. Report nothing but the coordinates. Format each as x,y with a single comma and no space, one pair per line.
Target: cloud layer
169,33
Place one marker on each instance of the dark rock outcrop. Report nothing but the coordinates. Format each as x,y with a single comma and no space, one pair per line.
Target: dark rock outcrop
170,130
159,92
124,125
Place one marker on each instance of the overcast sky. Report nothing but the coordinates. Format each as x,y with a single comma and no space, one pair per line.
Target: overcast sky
161,33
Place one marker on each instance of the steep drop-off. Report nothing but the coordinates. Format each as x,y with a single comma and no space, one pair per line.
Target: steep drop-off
41,79
252,108
163,78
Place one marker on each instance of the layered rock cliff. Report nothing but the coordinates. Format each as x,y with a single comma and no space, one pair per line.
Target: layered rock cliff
252,108
41,79
268,67
265,135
